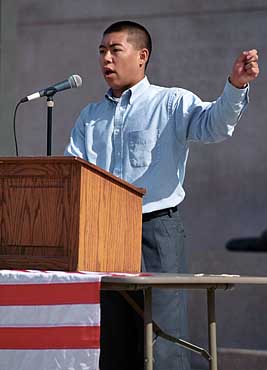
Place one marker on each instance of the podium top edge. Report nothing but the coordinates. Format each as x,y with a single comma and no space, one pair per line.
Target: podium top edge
72,159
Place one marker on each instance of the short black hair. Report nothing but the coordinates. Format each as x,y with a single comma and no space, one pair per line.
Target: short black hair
141,37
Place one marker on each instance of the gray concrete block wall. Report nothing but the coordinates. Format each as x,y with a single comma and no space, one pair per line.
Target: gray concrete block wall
241,359
7,74
195,43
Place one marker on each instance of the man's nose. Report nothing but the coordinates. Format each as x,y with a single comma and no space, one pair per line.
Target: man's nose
107,57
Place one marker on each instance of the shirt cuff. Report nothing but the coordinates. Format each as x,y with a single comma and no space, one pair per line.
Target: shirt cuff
236,95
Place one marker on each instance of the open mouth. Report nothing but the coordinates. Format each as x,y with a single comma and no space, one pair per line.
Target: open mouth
108,72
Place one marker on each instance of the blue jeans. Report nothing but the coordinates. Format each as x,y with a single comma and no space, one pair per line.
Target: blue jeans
122,329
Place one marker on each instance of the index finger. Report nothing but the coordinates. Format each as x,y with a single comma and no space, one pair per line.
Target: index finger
252,53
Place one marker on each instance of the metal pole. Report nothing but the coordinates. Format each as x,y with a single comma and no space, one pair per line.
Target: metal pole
212,329
148,330
50,105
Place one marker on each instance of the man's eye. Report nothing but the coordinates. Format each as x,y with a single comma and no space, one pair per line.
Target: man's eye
101,51
116,50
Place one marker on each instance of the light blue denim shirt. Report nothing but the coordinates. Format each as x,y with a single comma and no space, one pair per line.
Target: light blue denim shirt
143,136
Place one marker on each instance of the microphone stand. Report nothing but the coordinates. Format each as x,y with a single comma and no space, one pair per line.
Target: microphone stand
50,105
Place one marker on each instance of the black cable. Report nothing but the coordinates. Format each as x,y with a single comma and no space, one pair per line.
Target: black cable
14,128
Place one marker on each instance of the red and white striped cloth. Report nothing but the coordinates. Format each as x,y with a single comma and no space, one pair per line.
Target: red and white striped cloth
49,320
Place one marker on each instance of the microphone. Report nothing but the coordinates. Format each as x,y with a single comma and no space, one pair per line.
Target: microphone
249,244
72,81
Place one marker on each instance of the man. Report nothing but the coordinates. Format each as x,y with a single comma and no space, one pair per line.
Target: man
140,132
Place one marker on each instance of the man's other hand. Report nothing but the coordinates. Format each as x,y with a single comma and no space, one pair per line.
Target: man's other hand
245,68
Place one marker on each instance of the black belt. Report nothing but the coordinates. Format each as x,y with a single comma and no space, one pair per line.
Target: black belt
159,213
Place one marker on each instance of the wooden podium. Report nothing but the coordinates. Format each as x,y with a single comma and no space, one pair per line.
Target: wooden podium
62,213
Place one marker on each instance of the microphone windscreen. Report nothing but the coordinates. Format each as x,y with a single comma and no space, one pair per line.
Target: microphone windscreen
75,81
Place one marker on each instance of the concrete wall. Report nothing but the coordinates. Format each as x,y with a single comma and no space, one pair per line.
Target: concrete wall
7,74
195,44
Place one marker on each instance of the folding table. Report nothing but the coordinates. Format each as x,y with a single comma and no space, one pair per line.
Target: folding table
210,283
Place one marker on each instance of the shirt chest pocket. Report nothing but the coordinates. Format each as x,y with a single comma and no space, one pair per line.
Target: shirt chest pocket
143,147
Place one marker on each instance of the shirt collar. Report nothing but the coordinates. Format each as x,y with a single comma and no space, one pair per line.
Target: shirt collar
133,92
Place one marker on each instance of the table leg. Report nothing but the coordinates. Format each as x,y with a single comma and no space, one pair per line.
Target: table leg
212,328
148,329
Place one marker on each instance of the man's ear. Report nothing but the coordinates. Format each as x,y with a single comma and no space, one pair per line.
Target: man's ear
143,56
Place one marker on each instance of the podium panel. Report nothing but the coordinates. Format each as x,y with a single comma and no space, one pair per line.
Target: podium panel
62,213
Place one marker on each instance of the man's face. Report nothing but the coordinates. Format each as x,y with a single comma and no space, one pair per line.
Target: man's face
121,63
